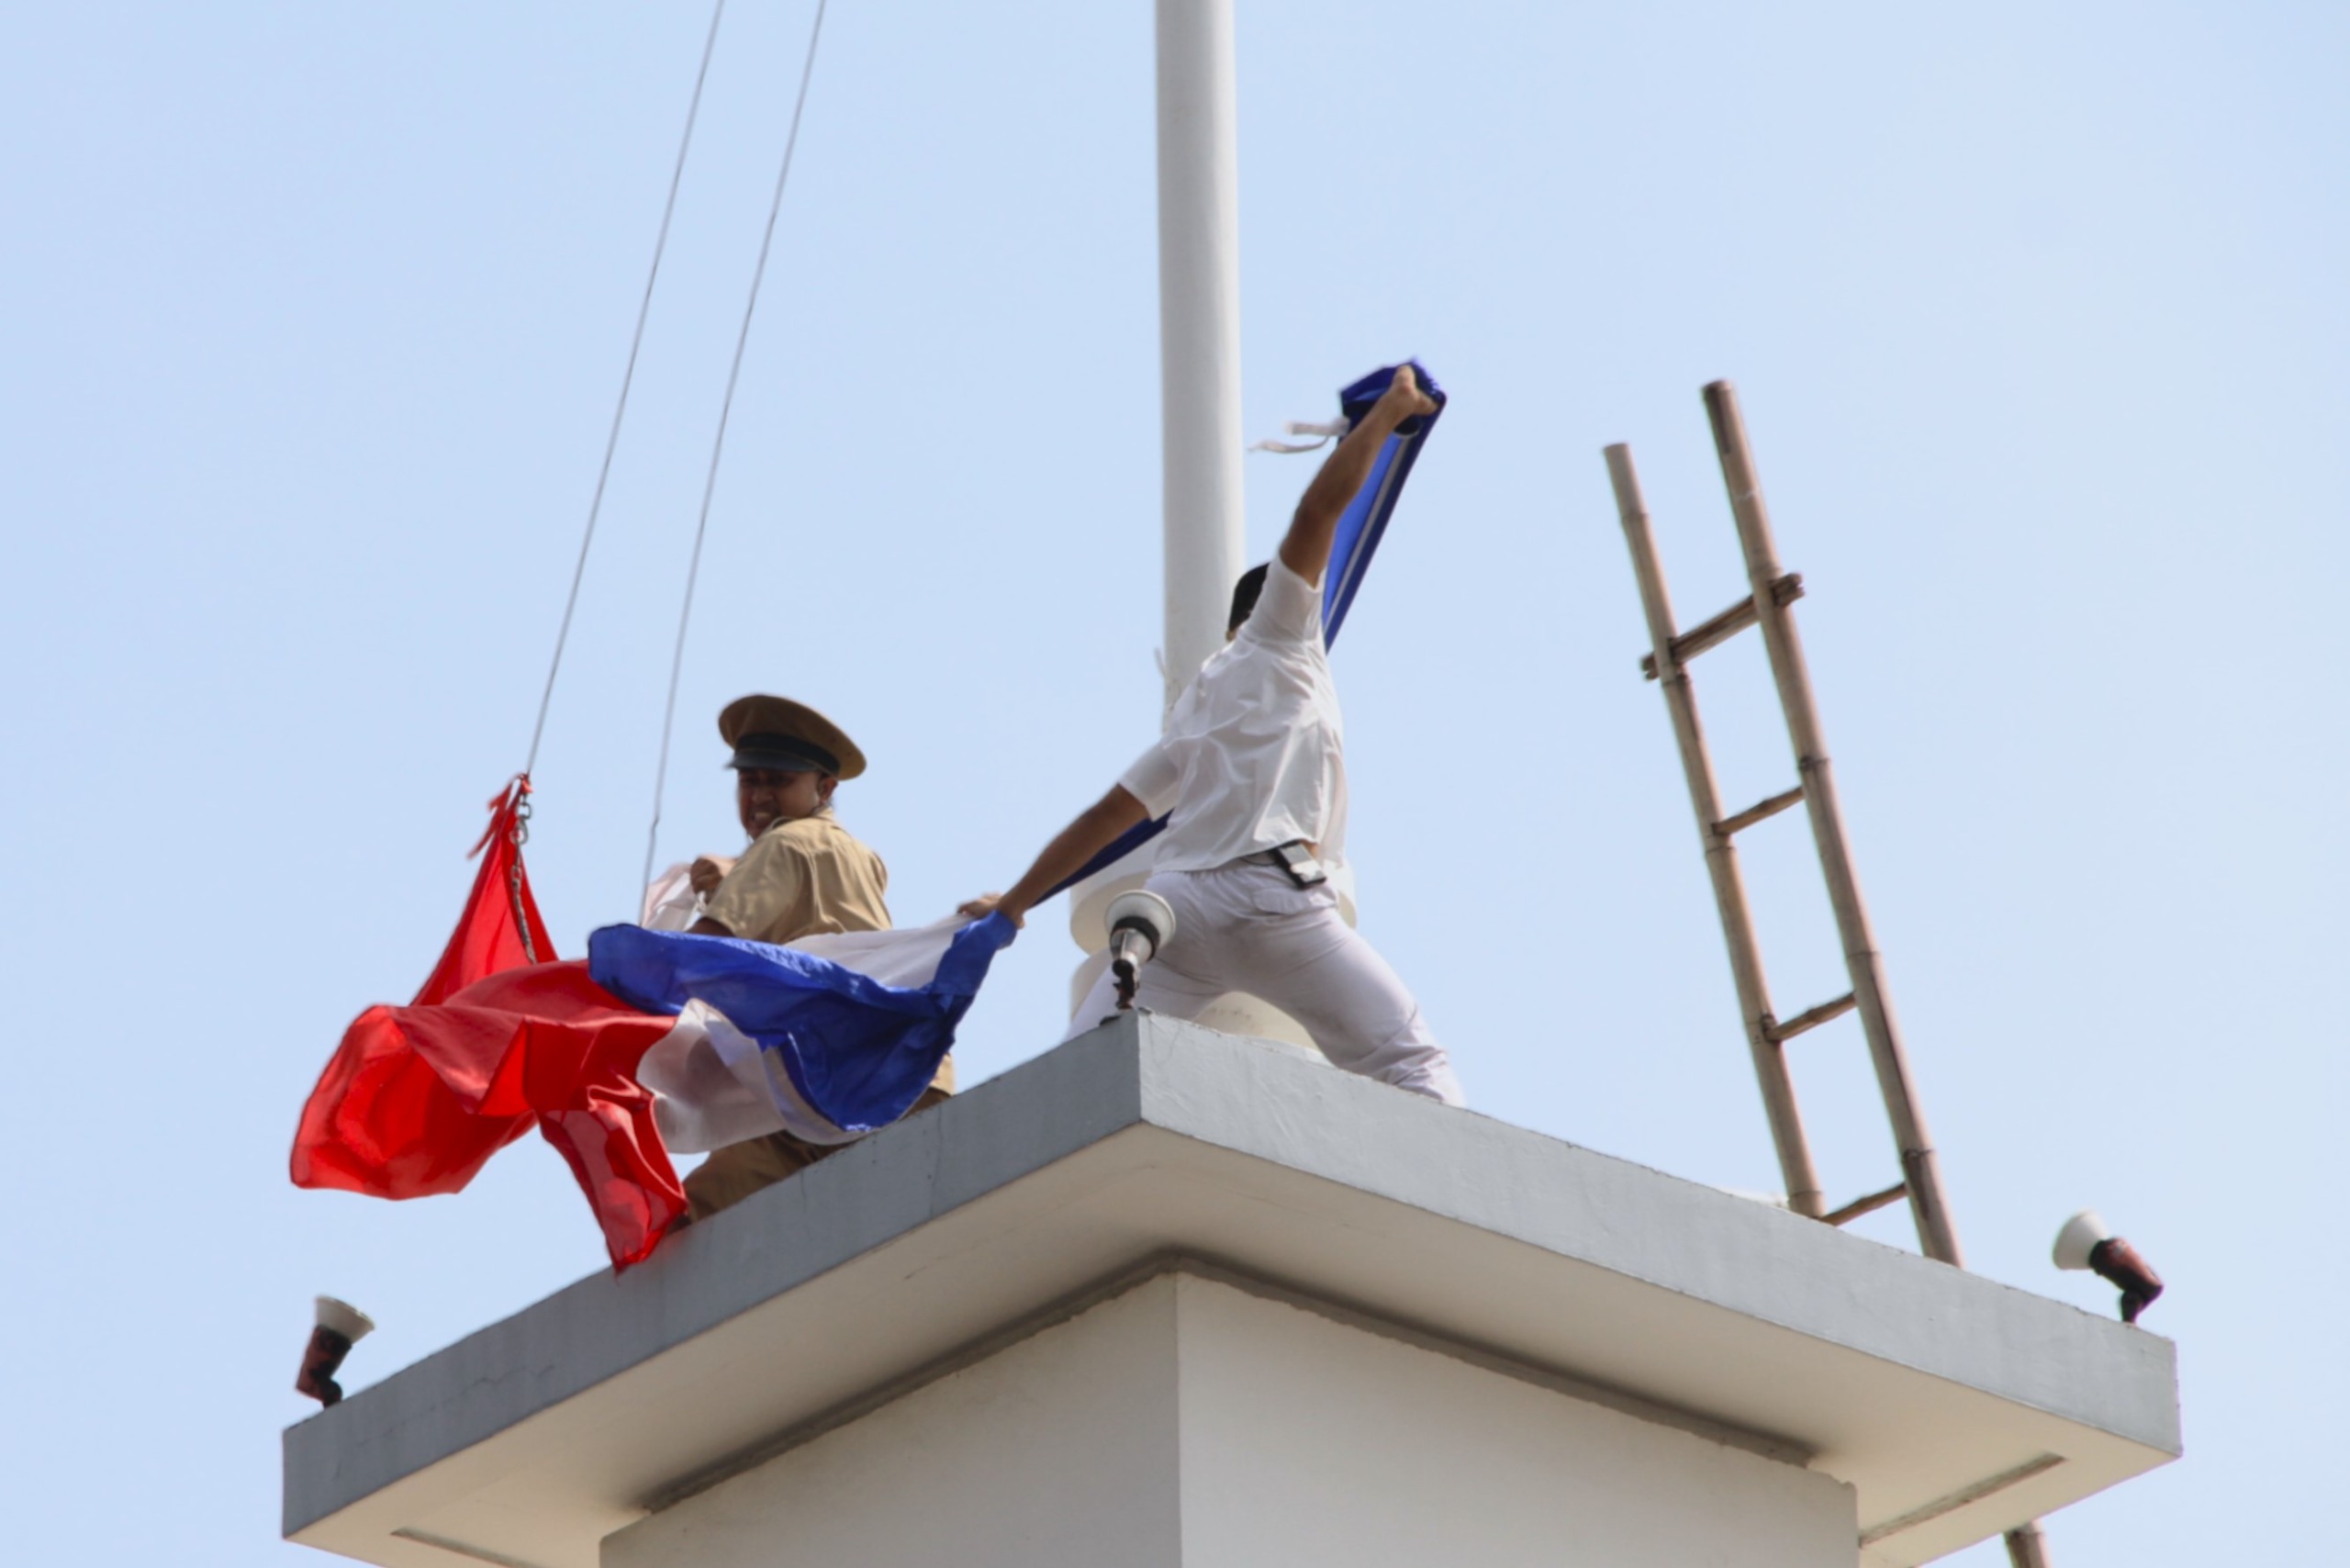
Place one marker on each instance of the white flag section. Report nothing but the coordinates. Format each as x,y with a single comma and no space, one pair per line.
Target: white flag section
713,1085
670,901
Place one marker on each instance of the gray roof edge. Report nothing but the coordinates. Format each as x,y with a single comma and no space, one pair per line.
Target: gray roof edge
1040,1112
1256,1100
1664,1229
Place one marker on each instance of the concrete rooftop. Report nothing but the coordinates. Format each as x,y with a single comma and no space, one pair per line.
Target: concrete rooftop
1954,1406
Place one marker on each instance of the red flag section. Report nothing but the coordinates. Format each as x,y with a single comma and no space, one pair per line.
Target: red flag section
417,1098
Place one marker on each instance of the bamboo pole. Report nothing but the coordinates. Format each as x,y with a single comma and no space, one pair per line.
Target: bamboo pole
1723,627
1760,812
1813,1018
1804,1194
1921,1170
2028,1546
1867,1206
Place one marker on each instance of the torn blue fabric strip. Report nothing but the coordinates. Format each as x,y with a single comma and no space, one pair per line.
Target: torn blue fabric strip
1365,523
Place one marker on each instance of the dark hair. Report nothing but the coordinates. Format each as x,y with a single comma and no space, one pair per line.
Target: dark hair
1244,596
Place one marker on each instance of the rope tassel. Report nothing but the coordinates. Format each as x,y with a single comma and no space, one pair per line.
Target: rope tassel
1328,431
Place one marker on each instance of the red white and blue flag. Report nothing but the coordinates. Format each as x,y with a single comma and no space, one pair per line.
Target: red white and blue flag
664,1042
658,1042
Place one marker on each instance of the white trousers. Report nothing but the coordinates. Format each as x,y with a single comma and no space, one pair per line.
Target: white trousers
1246,926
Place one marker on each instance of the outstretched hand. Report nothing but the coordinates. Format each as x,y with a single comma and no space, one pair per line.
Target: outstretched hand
991,904
1305,548
1404,396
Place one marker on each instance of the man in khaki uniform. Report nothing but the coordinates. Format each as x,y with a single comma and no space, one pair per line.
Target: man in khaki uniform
803,874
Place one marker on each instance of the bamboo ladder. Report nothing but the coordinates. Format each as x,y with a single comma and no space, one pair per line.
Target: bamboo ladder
1769,606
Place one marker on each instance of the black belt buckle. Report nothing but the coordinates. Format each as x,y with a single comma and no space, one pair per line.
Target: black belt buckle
1297,862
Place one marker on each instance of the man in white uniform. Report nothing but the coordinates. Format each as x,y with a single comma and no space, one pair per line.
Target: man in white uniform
1252,774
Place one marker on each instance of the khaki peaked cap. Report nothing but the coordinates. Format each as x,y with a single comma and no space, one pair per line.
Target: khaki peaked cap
758,716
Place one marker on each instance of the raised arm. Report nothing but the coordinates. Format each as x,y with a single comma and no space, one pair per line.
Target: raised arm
1305,548
1091,834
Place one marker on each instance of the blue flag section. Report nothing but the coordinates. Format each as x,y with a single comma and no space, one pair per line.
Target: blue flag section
1360,532
1365,522
858,1051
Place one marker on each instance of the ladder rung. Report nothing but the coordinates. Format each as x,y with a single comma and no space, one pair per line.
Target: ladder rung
1867,1206
1723,627
1813,1018
1758,811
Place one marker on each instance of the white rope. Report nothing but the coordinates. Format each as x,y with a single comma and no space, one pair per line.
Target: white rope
628,378
717,450
1330,430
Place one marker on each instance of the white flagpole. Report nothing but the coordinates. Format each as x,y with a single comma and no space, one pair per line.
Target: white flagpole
1199,327
1199,378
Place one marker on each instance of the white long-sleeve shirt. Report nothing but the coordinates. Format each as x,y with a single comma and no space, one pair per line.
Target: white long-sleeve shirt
1255,752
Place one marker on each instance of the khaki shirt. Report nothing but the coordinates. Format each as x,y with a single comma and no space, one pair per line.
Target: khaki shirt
803,878
806,877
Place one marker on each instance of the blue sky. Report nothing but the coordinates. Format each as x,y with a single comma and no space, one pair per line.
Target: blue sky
315,315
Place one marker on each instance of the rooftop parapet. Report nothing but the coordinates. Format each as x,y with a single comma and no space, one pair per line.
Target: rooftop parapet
1952,1406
